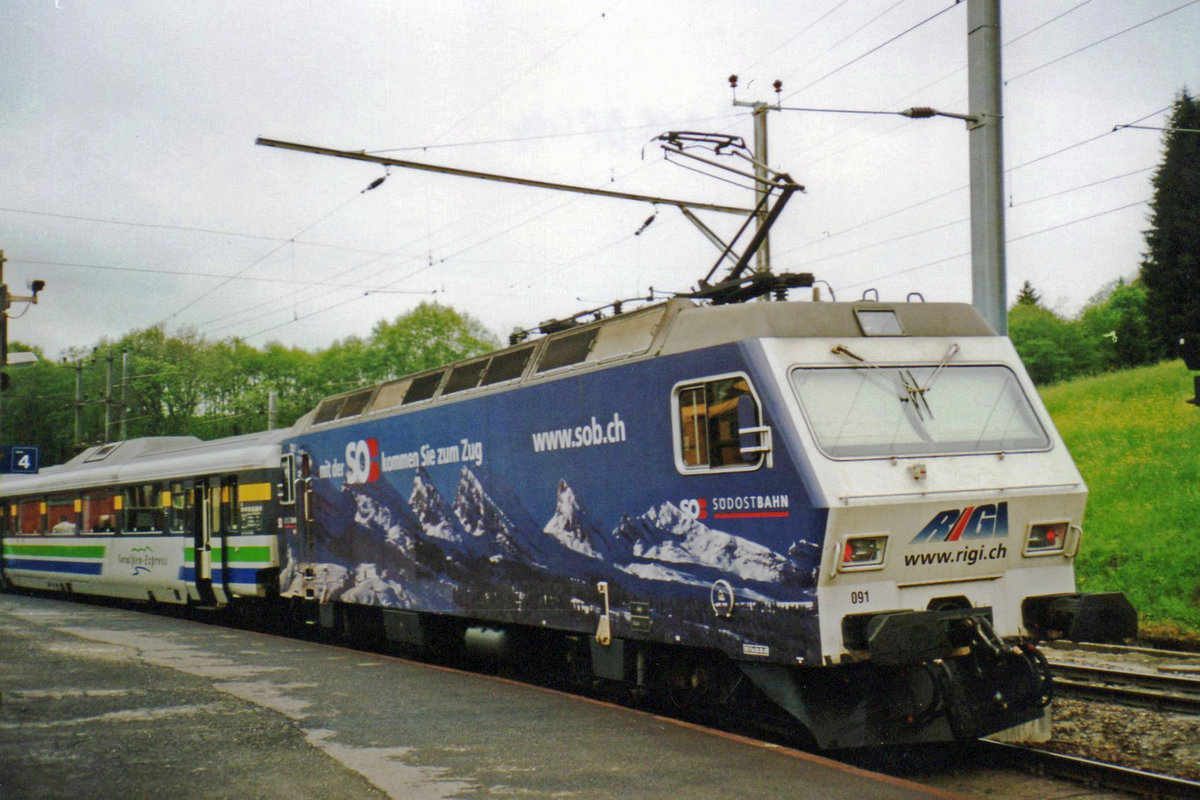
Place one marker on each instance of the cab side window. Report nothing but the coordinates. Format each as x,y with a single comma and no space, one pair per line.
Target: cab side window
709,418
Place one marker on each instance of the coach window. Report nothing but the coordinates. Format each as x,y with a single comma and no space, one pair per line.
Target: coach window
180,513
30,516
142,511
63,517
709,417
99,512
231,516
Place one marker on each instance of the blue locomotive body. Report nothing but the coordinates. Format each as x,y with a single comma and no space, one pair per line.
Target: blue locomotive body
515,506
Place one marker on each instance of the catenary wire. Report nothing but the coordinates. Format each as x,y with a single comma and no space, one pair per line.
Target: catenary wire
876,49
1008,240
184,228
1100,41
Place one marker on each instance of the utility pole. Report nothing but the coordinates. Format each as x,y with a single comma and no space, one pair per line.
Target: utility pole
3,337
6,300
124,392
108,395
761,159
986,152
78,402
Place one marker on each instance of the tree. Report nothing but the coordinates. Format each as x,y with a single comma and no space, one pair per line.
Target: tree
166,384
37,409
1170,268
428,336
1114,321
1028,296
183,384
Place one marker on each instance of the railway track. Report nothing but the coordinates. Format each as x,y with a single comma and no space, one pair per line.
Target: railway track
1163,692
1046,763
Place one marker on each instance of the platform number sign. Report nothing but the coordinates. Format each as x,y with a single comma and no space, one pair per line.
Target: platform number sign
19,458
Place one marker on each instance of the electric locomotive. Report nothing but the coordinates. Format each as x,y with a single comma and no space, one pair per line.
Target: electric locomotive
863,508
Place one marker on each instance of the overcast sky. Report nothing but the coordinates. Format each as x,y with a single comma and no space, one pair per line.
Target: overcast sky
131,184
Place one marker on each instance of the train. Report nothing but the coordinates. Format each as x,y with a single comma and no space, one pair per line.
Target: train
855,515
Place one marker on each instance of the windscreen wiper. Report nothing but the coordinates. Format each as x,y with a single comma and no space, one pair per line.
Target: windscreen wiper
908,382
921,390
951,352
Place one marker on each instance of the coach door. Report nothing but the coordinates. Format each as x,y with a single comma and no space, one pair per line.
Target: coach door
206,501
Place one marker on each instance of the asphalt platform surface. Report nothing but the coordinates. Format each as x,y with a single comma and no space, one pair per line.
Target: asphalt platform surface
107,702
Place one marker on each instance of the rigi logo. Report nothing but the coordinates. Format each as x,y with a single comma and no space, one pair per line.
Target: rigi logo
973,522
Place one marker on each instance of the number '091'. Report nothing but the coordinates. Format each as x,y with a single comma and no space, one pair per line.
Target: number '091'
860,596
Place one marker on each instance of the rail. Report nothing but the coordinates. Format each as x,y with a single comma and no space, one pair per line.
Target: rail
1110,776
1168,693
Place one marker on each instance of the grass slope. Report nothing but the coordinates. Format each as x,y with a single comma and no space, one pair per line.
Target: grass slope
1137,442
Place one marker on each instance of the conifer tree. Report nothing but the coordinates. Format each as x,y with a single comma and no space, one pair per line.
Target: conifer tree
1170,269
1028,296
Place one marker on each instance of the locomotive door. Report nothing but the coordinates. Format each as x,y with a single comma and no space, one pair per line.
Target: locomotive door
305,534
206,501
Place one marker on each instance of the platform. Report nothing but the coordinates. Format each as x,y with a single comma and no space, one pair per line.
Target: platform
104,702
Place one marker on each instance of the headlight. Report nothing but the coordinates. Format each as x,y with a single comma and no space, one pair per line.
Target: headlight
863,552
1045,538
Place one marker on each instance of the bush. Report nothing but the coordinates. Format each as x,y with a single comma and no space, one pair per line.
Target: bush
1052,348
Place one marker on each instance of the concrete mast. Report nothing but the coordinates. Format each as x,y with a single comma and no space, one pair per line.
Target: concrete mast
986,149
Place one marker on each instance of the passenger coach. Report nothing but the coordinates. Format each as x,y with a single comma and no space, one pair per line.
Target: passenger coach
169,520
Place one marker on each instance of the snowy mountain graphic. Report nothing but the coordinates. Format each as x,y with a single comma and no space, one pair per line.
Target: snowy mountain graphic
484,521
379,544
664,534
572,528
426,504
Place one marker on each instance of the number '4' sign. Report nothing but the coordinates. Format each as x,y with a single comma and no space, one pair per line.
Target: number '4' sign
19,458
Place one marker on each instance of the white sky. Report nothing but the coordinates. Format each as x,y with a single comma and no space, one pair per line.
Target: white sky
131,184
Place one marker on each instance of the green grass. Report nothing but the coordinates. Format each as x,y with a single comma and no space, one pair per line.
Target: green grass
1137,442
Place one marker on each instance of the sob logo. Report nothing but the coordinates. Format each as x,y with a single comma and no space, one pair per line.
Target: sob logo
694,509
362,461
973,522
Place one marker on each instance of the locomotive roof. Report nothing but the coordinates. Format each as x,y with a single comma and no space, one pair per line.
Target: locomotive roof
708,326
676,326
151,459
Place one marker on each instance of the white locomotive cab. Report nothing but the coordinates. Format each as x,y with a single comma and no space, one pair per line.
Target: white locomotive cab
946,483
